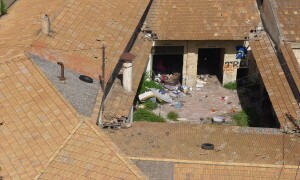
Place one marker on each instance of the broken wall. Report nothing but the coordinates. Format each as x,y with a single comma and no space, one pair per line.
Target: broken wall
190,58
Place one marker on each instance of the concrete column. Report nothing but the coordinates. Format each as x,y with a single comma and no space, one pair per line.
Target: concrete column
127,76
231,65
45,24
191,65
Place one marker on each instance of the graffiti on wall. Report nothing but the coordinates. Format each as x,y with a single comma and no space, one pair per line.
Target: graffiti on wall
231,66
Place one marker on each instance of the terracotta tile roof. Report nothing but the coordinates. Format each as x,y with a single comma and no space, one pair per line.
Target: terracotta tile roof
288,12
39,126
87,155
275,81
292,62
80,23
35,119
20,26
203,20
119,102
233,172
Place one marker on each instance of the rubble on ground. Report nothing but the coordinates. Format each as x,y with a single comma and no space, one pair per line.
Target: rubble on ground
209,102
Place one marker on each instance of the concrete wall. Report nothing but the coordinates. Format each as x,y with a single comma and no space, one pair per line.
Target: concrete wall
270,21
190,58
297,54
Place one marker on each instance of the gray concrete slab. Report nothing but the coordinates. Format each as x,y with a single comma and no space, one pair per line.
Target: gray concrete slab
81,95
156,170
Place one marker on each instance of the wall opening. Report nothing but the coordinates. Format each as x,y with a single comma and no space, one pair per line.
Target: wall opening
168,60
210,61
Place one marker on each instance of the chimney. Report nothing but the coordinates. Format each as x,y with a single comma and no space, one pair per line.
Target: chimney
127,71
45,24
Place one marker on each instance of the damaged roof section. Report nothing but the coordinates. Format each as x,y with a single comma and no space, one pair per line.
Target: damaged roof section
275,81
203,20
120,102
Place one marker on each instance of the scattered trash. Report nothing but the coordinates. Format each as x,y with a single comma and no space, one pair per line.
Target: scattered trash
182,119
178,105
162,91
218,119
163,97
169,87
199,85
153,100
232,110
213,110
146,95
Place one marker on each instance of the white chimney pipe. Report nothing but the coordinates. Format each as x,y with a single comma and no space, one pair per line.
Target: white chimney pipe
127,71
45,24
127,76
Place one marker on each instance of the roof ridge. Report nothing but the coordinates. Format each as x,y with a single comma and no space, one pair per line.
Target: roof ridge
109,143
59,149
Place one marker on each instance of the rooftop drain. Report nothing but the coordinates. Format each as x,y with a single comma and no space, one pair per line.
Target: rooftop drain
86,79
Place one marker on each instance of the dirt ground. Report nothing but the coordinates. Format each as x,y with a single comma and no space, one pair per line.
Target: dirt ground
205,103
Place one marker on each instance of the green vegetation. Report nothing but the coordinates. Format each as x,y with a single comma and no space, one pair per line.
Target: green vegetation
172,115
3,8
231,85
146,115
241,118
247,117
147,83
149,105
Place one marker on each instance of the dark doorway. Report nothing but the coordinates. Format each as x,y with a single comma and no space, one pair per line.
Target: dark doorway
210,61
167,64
168,60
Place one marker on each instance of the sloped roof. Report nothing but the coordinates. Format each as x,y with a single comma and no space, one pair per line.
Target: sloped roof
88,155
275,81
36,121
37,125
288,12
120,102
21,26
79,25
203,20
